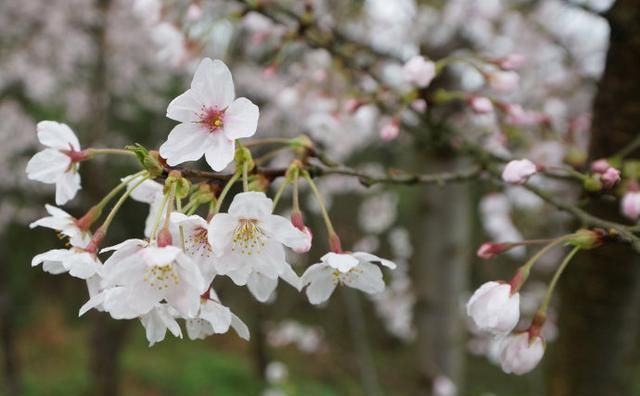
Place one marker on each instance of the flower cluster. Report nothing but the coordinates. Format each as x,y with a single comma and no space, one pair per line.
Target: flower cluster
168,275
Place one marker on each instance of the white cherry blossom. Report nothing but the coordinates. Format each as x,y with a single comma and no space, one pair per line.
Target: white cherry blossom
248,242
157,321
355,270
210,118
521,353
66,224
519,171
214,318
494,309
77,262
196,242
419,71
630,205
139,275
58,163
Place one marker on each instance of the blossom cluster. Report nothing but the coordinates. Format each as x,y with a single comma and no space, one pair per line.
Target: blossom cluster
168,275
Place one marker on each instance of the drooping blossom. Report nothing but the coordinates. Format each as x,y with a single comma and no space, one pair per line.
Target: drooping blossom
61,221
139,275
248,242
519,171
494,308
196,242
356,270
58,163
214,318
77,262
419,71
630,205
521,353
157,321
489,250
210,118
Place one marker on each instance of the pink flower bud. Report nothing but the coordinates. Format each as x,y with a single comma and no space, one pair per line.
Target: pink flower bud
610,177
521,353
307,247
519,171
194,12
494,309
511,62
503,81
481,104
419,71
351,105
600,166
630,205
390,131
489,250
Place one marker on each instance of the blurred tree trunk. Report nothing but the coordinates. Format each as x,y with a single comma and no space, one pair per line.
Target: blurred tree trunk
8,339
440,271
600,290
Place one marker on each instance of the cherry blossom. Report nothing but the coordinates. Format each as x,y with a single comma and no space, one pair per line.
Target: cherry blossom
521,353
355,270
419,71
157,321
503,81
77,262
210,119
196,242
140,275
214,318
58,163
481,104
630,205
248,242
494,308
59,220
519,171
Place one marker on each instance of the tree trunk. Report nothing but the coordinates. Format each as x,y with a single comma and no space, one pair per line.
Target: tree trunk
440,271
10,359
107,339
600,290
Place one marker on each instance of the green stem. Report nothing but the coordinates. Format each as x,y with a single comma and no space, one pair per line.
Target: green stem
170,205
158,219
523,271
323,209
93,151
245,176
180,229
281,189
104,201
119,203
259,142
554,280
267,156
225,191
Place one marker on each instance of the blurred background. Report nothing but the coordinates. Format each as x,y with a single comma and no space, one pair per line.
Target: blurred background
109,68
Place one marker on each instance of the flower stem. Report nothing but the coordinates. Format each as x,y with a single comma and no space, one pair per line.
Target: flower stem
225,191
119,203
114,151
158,219
245,176
259,142
281,189
523,272
104,201
181,230
556,277
323,209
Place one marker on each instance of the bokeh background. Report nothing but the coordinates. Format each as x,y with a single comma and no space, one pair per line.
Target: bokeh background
109,68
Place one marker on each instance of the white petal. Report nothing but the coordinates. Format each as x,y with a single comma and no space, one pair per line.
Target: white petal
251,205
289,275
47,166
147,192
220,232
261,286
241,329
67,186
185,143
367,277
241,119
281,229
212,84
218,150
217,315
57,135
341,262
184,108
321,287
372,258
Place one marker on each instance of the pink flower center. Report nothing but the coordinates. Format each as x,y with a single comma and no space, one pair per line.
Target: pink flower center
212,118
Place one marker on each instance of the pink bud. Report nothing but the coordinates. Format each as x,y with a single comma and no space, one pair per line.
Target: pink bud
307,247
481,104
297,220
351,105
600,166
511,62
630,205
610,177
519,171
269,71
489,250
390,131
503,81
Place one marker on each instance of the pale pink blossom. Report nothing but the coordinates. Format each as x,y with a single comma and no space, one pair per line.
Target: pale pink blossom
503,81
519,171
494,308
630,205
600,166
511,62
481,104
521,353
390,131
419,71
610,177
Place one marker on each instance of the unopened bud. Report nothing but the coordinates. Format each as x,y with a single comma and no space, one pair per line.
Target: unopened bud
586,239
592,183
489,250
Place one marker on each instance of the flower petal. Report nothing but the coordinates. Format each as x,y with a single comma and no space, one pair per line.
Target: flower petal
366,277
212,84
57,135
251,205
219,151
372,258
241,119
47,165
261,286
184,108
220,232
184,143
341,262
66,187
281,229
